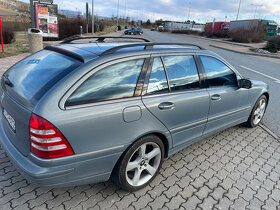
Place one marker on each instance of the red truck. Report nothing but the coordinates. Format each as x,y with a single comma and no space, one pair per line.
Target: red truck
218,26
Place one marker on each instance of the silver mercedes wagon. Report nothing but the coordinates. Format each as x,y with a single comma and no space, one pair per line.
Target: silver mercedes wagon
85,111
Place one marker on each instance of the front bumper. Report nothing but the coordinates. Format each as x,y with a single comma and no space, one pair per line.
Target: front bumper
61,172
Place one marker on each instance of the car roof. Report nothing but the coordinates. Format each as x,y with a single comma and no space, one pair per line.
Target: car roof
87,51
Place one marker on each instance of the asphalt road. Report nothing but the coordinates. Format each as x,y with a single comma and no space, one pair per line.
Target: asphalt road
253,67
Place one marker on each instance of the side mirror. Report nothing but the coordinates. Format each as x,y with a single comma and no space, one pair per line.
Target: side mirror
245,83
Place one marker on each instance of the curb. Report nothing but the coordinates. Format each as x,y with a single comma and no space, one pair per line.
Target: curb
270,132
221,41
245,53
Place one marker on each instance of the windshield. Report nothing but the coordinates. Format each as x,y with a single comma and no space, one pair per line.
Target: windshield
38,72
271,29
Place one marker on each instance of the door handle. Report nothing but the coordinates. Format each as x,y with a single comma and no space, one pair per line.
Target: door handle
216,97
166,105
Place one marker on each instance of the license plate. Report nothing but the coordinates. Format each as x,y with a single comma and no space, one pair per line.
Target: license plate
10,120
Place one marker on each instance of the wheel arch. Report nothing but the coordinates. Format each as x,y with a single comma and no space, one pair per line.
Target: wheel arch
266,95
167,143
160,135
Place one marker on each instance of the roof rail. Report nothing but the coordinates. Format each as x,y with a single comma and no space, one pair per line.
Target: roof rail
102,38
147,46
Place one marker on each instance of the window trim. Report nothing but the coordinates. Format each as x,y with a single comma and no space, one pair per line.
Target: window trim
92,71
166,74
205,74
148,76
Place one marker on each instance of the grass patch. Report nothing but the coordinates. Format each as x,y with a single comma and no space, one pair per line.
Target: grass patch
20,45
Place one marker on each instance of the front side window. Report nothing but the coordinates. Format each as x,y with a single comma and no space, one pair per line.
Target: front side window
218,74
182,72
157,83
114,82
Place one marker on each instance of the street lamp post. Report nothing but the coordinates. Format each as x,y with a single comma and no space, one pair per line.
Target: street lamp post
238,10
256,5
118,14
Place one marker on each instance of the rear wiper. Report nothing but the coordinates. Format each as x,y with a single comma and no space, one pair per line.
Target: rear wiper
7,81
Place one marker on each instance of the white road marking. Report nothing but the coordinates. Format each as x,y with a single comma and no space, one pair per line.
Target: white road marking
265,75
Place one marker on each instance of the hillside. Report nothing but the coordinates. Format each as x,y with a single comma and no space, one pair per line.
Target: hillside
13,7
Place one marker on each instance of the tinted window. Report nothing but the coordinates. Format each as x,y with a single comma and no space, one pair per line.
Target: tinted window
157,82
182,72
114,82
39,71
218,74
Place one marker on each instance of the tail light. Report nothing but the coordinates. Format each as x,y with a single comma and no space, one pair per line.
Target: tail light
46,140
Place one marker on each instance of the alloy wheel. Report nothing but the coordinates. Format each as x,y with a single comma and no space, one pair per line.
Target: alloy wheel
259,111
143,164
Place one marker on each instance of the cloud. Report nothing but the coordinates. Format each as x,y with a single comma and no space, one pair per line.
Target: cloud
202,10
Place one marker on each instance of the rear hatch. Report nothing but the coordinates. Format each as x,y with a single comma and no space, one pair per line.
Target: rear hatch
23,85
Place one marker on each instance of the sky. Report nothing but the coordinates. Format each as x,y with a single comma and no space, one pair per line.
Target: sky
179,10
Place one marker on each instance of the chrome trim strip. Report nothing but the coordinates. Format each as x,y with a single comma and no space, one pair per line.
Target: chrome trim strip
103,102
228,113
184,127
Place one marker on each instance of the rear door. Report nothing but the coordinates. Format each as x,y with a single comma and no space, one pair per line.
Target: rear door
173,93
104,108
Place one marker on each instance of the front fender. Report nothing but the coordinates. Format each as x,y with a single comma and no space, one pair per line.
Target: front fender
257,90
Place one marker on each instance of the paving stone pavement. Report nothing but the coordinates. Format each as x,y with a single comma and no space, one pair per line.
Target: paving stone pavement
238,168
6,63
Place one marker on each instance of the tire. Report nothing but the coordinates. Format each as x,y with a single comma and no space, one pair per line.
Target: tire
142,169
257,112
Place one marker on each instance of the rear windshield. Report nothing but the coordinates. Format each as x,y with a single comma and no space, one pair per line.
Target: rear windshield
39,72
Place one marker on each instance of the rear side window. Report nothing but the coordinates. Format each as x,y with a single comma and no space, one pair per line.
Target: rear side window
114,82
39,72
218,74
157,83
182,72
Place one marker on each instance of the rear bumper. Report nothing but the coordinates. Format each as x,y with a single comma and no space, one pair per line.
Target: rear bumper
61,172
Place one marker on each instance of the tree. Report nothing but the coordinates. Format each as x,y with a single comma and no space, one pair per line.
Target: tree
159,22
148,23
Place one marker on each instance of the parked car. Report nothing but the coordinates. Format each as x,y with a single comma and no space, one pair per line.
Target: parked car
152,29
85,112
129,31
134,31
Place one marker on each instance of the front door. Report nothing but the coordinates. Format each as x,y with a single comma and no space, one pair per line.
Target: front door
228,102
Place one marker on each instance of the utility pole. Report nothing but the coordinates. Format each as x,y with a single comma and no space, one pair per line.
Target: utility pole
189,10
32,15
238,10
87,15
92,18
125,13
118,15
